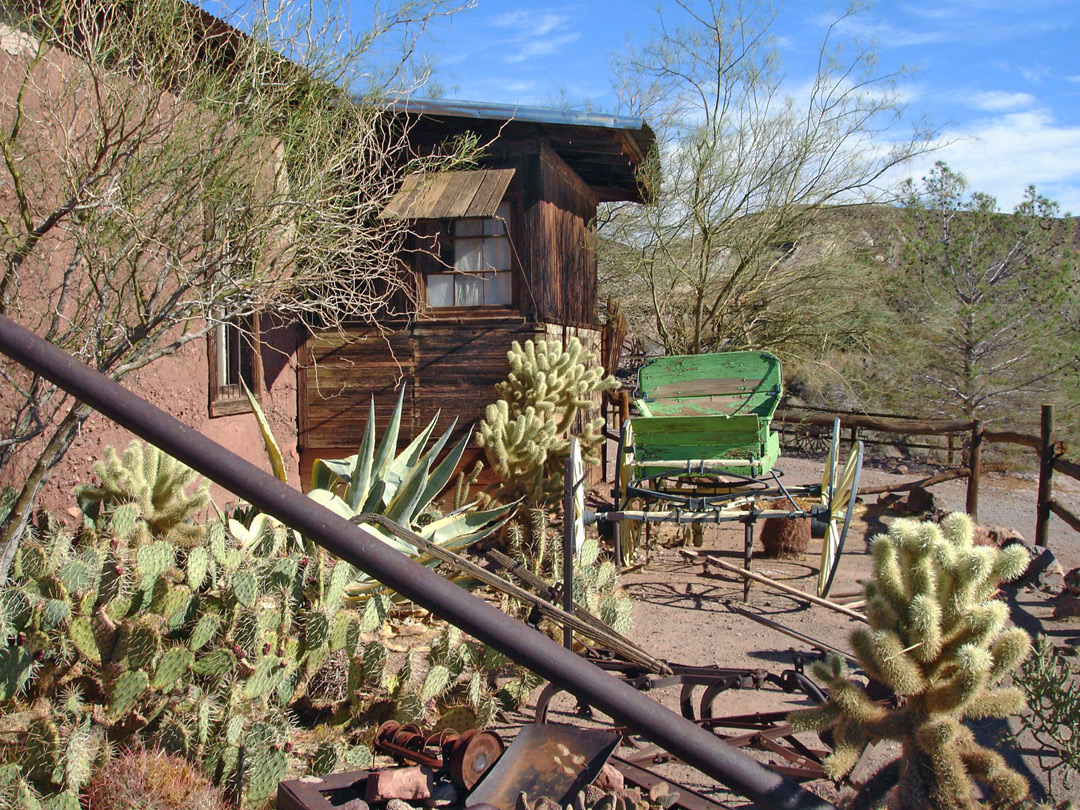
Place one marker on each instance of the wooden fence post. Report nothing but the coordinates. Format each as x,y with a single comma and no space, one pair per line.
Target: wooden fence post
1046,475
975,466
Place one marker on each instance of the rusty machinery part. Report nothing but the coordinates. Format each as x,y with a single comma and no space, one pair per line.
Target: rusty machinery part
762,731
472,755
467,756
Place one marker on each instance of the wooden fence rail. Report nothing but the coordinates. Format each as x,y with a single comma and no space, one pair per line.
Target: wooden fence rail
1050,453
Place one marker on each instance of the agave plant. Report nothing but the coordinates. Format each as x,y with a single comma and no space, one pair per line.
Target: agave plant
402,487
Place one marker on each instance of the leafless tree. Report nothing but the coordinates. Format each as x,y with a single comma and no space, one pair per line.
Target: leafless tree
162,171
745,165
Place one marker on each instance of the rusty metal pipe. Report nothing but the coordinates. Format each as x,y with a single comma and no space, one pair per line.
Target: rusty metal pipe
363,549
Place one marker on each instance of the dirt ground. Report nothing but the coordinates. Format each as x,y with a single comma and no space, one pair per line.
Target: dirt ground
685,613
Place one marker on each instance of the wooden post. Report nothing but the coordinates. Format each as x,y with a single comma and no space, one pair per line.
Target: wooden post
975,465
568,547
624,408
951,453
854,436
1046,475
605,410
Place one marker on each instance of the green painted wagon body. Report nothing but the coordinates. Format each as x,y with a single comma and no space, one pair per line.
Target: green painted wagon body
708,412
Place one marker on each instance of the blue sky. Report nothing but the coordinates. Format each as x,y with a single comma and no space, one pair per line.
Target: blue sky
1001,78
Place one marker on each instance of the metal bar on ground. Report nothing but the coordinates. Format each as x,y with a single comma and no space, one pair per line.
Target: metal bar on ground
772,583
401,573
795,634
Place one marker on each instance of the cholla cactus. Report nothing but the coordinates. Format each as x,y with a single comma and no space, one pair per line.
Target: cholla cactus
152,485
526,433
937,638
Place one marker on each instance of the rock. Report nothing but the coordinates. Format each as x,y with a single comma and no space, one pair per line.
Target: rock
889,499
399,804
609,779
593,794
919,501
1009,537
1043,573
442,795
980,536
410,783
1071,581
359,804
1066,606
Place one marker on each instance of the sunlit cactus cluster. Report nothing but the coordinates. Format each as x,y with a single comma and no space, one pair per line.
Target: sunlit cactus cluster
938,639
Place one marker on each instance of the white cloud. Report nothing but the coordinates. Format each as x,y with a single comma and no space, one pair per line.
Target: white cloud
997,100
1002,155
1035,75
535,33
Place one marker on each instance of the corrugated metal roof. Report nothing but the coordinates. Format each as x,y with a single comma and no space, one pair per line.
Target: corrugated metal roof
640,131
449,195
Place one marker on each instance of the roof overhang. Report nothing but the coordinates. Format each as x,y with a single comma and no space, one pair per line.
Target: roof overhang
604,150
449,195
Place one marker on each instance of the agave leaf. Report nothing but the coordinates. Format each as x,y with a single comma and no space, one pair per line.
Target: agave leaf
440,477
394,477
464,525
356,492
403,506
408,457
327,472
336,504
277,461
388,445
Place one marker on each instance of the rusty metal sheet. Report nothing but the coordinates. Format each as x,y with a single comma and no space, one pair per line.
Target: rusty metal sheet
550,760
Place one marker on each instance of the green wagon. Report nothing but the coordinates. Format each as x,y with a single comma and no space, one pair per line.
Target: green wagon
702,450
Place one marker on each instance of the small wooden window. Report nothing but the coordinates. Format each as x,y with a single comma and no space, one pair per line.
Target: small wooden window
234,363
481,273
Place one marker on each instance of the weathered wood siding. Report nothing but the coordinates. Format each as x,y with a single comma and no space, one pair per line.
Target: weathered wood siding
449,368
562,245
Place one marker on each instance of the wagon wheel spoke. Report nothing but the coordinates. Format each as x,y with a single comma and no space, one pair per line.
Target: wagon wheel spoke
828,480
841,505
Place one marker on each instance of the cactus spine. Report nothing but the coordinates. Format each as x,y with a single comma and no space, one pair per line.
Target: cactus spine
937,638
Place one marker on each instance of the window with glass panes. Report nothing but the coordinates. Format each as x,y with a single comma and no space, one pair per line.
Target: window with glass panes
481,272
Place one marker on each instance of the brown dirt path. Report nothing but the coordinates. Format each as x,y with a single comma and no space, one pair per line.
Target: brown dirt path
681,609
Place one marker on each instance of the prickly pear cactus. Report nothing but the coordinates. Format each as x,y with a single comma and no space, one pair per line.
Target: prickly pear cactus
212,650
526,433
938,639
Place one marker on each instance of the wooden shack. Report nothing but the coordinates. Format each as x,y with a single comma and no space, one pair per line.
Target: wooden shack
504,252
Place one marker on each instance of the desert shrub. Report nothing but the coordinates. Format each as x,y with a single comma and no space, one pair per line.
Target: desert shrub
1051,684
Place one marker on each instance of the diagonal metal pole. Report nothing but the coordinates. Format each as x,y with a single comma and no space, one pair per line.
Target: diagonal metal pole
361,548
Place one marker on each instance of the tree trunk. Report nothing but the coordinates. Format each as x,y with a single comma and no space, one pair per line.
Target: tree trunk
14,527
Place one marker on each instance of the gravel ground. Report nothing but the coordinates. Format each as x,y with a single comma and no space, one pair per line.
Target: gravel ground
682,609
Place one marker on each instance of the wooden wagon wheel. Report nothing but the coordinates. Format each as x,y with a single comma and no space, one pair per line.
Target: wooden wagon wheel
838,498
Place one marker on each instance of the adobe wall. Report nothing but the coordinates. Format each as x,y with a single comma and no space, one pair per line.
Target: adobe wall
178,384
